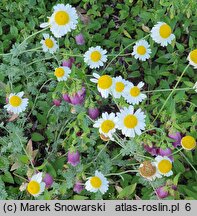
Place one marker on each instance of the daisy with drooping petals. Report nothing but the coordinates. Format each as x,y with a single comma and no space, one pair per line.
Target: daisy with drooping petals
49,44
188,142
35,187
133,94
129,122
192,58
107,124
97,183
95,57
16,104
161,33
141,50
62,73
164,165
104,84
118,87
148,170
63,20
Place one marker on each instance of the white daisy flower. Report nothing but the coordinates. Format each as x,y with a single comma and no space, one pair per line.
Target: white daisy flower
118,87
16,104
131,123
107,124
132,94
188,142
63,20
161,33
192,58
104,84
195,87
164,165
97,183
62,73
141,50
35,187
95,57
49,44
149,170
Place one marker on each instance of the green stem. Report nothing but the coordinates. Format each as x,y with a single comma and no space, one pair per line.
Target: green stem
32,35
170,94
128,171
31,50
101,151
37,96
175,152
116,102
161,90
29,157
20,177
122,52
39,61
189,162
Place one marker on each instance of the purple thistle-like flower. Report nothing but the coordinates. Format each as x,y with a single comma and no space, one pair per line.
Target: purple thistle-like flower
93,113
73,158
66,97
80,39
79,97
48,179
56,102
78,187
151,150
162,192
177,138
75,99
165,152
68,63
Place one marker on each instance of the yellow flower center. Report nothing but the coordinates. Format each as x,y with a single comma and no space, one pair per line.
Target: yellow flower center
135,91
15,101
119,86
62,18
147,170
107,125
95,182
104,82
164,166
141,50
188,142
130,121
59,72
49,43
165,31
33,187
95,56
193,56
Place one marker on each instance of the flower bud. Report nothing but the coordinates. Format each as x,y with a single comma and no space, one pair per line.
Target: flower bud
78,187
48,179
73,158
93,113
162,192
80,39
68,63
56,102
177,139
66,97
